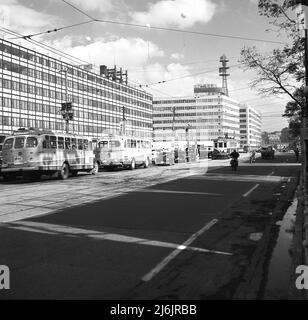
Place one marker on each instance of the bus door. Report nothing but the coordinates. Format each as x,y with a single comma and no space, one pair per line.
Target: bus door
7,152
31,149
101,152
115,151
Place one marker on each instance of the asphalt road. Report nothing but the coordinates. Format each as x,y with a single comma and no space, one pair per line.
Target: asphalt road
185,233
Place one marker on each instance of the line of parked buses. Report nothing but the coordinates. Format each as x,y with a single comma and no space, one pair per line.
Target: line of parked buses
34,152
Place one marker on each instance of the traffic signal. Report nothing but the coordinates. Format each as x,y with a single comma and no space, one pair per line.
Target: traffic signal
67,110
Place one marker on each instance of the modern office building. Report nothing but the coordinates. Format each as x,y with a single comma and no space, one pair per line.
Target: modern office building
206,115
250,127
33,86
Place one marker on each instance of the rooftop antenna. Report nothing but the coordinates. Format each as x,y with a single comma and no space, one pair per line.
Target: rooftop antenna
223,73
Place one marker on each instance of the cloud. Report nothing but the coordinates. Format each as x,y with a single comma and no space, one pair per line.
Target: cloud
176,13
23,19
94,5
127,53
177,56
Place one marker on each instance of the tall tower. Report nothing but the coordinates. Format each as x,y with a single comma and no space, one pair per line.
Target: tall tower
223,73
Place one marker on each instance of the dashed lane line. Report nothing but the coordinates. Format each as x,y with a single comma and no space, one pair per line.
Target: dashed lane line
175,252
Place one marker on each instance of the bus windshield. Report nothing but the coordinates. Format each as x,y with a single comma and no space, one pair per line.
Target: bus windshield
8,144
114,144
19,142
103,144
31,142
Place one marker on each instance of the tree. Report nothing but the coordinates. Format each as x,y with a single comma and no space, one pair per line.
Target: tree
283,70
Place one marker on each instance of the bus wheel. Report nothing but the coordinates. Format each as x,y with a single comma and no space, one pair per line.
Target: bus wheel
132,165
64,172
95,169
146,163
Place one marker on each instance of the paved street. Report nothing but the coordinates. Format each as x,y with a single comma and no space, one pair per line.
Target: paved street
189,231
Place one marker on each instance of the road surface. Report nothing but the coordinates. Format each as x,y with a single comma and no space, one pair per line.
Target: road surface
190,231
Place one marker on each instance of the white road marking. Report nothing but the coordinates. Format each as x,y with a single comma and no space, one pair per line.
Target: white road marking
179,192
175,252
251,190
236,177
271,173
47,228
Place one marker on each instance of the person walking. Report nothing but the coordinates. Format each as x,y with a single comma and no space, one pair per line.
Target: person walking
296,151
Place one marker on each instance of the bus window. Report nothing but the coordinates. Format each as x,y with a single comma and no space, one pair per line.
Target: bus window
115,144
85,144
129,143
60,143
80,146
138,144
103,144
133,144
8,144
53,142
2,139
67,143
46,144
74,143
31,142
19,142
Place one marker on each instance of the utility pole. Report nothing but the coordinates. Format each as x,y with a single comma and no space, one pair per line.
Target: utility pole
173,122
304,131
123,122
187,141
67,106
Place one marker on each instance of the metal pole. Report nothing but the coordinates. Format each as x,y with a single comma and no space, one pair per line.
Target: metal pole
66,98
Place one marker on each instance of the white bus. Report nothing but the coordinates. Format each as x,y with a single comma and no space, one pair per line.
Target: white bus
34,152
2,138
123,151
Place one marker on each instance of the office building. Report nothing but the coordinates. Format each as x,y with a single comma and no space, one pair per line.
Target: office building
33,86
250,127
206,115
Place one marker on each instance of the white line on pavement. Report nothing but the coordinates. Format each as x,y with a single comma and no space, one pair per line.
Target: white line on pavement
175,252
176,191
47,228
251,190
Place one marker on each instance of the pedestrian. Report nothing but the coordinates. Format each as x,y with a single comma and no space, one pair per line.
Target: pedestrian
296,151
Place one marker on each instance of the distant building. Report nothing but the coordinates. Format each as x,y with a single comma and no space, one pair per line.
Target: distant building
274,138
207,115
250,127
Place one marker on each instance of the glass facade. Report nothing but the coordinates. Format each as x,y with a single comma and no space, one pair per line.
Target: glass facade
33,86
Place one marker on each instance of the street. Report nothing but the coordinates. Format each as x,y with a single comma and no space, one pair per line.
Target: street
188,231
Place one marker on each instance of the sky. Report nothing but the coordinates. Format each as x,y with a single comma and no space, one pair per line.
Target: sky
152,55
